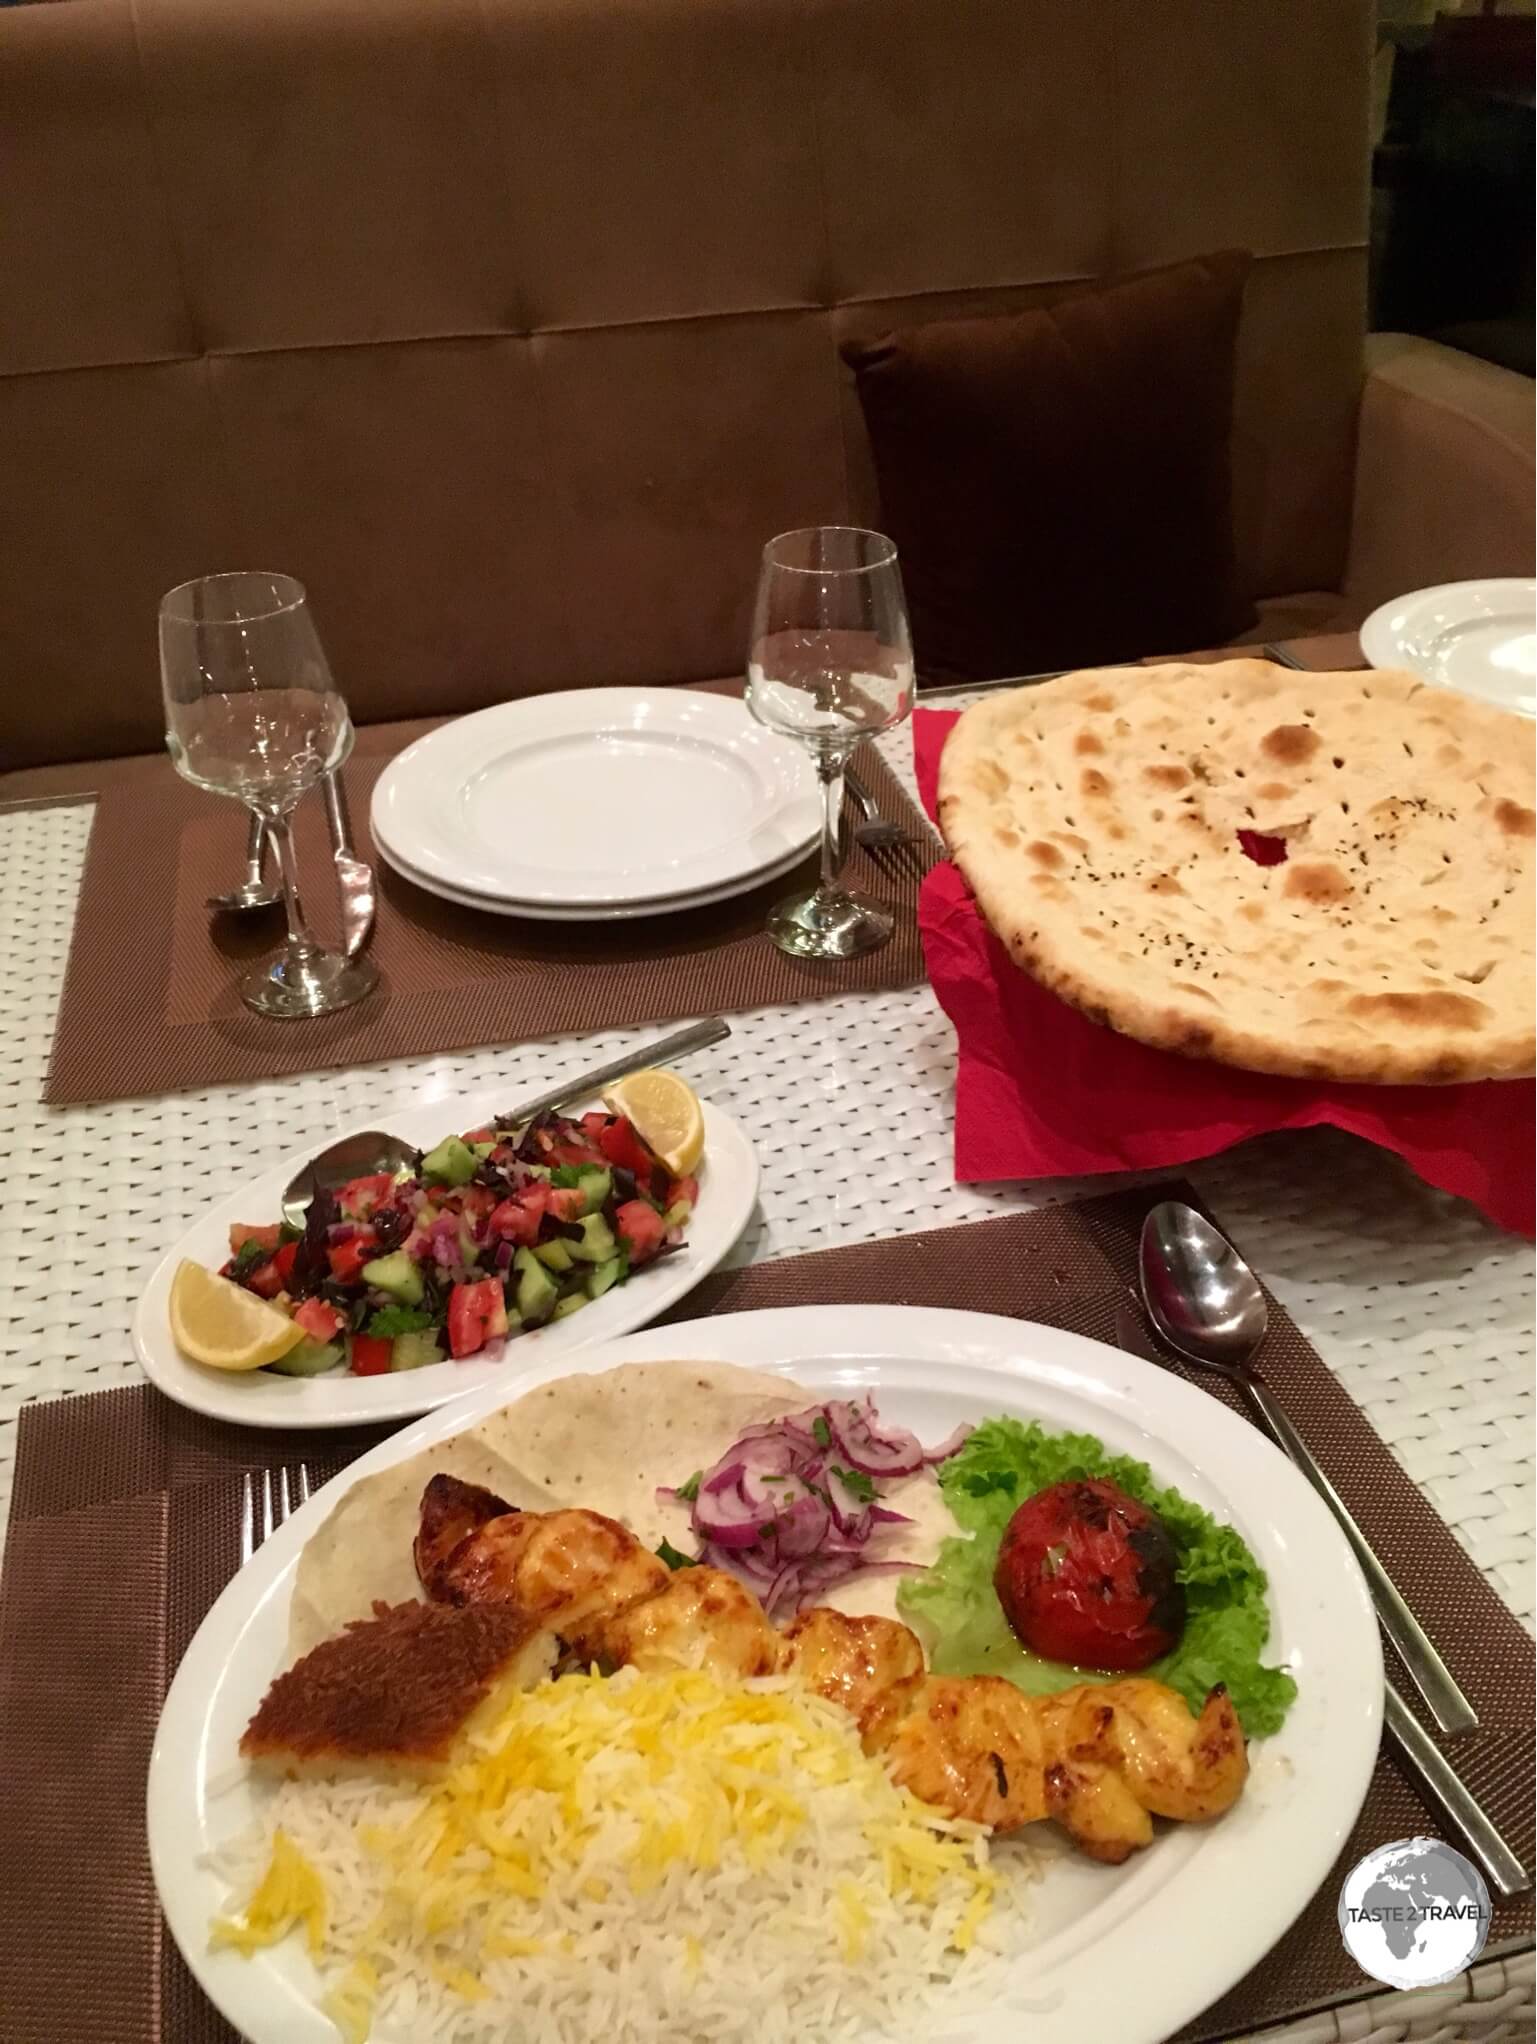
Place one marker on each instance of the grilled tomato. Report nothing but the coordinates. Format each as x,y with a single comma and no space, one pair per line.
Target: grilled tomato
1087,1575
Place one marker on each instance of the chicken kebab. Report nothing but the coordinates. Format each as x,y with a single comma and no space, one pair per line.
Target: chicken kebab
1101,1759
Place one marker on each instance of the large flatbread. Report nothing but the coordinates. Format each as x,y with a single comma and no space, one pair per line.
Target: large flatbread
605,1440
1107,824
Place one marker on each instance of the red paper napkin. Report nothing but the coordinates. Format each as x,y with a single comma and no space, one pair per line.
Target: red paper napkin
1042,1092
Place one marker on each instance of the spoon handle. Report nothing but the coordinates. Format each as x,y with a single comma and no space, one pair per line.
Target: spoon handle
1453,1798
697,1036
1429,1673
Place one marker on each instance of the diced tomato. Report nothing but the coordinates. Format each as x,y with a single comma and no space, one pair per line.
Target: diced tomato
272,1277
594,1124
477,1313
319,1321
567,1202
348,1258
240,1235
480,1135
517,1220
640,1229
685,1188
359,1196
621,1144
476,1199
370,1354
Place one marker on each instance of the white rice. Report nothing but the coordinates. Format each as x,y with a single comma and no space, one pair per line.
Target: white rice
771,1952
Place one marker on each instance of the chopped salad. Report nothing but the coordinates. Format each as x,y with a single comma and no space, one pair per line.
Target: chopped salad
492,1234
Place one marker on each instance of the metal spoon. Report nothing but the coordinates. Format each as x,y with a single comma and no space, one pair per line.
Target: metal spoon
1421,1757
254,893
357,1156
1207,1304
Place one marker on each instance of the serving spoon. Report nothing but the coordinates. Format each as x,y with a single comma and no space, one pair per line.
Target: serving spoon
357,1156
1208,1306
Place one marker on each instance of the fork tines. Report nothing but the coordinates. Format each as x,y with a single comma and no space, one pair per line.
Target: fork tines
265,1503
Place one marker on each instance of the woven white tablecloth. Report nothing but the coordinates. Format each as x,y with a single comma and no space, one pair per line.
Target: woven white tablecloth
1424,1309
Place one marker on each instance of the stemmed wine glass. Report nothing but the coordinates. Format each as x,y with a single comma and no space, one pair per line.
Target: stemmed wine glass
251,711
830,663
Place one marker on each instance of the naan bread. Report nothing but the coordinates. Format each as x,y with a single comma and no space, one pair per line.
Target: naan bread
1101,821
605,1440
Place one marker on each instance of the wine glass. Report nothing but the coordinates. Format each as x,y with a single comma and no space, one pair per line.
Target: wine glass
830,663
251,711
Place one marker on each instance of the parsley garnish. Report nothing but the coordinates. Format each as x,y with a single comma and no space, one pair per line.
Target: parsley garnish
982,1482
568,1176
821,1432
856,1481
690,1490
392,1320
674,1560
248,1257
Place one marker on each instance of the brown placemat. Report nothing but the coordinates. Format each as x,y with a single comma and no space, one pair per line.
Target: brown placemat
124,1527
151,1000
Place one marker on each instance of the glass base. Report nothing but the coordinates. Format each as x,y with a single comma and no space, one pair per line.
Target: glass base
308,983
834,924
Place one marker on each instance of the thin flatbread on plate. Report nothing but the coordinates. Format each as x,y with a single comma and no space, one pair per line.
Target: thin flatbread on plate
606,1440
1107,823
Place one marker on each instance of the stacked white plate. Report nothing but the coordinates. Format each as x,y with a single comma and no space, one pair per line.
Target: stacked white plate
596,805
1477,637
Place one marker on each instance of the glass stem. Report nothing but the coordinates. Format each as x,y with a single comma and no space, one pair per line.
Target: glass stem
300,942
830,767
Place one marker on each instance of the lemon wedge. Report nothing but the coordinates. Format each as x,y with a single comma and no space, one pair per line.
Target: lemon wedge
667,1113
225,1326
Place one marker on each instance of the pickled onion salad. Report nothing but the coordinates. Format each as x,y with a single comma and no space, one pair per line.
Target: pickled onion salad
795,1505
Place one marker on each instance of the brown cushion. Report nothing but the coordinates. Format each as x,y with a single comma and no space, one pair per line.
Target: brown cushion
1058,481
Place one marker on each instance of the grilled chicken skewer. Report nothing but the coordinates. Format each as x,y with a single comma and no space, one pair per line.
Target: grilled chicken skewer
1103,1760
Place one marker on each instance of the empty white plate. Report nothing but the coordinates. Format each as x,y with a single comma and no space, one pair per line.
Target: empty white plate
1477,637
596,800
665,905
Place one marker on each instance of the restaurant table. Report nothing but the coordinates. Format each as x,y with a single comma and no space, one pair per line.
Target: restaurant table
1421,1306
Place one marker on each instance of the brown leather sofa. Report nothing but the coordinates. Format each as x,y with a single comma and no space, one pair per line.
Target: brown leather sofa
511,326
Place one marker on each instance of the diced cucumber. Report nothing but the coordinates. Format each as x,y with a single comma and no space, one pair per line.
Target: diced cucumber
397,1275
604,1277
483,1150
554,1255
537,1291
453,1162
678,1214
597,1244
310,1359
572,1303
594,1184
415,1351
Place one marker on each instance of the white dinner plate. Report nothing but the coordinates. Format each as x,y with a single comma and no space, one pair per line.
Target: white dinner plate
728,1186
629,911
1119,1955
1477,637
598,797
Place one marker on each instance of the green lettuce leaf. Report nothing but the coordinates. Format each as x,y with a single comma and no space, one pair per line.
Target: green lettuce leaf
1227,1624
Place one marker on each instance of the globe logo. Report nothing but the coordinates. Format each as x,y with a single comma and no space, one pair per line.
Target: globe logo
1414,1913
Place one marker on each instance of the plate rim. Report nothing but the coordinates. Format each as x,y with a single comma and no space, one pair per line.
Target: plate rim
729,1151
566,704
1380,650
1034,1354
628,912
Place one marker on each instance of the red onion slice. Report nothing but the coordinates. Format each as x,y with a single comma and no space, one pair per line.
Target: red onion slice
872,1450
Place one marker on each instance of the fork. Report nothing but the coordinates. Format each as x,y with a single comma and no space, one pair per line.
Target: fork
265,1505
877,833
